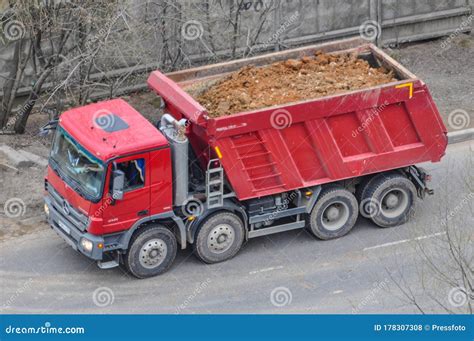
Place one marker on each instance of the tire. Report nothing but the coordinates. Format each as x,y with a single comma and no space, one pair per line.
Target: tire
334,214
219,238
361,188
389,200
151,252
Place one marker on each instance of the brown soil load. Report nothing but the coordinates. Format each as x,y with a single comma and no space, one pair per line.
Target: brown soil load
253,88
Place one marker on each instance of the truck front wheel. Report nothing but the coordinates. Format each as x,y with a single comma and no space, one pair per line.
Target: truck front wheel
389,199
334,214
151,252
219,238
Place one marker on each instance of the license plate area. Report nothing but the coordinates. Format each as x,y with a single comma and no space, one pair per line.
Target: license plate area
63,227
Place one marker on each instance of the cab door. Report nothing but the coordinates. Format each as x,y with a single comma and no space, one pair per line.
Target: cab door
122,214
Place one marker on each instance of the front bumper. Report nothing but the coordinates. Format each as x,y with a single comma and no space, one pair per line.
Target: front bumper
72,235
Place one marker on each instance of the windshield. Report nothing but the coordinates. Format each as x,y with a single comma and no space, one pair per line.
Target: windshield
77,165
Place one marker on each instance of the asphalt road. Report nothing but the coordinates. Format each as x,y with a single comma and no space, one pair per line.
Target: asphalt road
290,272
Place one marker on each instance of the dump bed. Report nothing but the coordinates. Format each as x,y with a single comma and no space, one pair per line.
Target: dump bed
316,141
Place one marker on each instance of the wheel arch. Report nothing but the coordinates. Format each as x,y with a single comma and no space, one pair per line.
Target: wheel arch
166,219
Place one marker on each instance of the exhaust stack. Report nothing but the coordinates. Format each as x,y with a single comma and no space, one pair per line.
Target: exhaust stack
174,131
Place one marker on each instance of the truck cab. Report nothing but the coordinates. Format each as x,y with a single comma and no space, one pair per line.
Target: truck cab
109,172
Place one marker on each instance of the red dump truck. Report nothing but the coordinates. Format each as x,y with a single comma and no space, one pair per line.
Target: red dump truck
121,190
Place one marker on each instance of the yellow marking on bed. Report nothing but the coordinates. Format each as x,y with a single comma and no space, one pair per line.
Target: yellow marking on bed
409,85
218,151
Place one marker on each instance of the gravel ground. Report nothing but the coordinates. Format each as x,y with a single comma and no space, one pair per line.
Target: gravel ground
448,73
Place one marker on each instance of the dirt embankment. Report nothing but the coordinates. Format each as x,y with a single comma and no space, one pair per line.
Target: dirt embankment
289,81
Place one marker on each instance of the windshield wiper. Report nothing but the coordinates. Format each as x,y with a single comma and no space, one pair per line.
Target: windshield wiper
79,190
55,167
67,179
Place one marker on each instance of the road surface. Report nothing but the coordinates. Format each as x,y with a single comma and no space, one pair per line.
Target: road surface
291,272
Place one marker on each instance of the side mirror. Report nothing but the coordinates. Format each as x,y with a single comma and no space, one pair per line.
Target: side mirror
118,183
48,127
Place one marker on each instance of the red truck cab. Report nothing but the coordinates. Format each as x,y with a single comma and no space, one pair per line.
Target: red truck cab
91,142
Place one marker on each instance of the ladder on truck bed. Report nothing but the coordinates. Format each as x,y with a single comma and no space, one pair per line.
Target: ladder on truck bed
215,184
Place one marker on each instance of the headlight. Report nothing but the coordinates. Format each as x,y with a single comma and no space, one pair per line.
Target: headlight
46,210
86,244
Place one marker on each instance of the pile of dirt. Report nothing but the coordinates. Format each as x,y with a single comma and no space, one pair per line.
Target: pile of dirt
289,81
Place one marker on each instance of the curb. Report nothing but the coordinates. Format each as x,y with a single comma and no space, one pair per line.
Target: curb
461,136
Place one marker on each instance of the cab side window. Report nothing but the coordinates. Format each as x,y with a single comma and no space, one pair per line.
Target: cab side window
134,171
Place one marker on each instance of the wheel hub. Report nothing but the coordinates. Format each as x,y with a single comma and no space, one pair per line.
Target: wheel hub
391,200
221,238
333,213
335,216
395,202
153,253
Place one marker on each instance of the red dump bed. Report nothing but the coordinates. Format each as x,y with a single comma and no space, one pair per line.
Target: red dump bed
303,144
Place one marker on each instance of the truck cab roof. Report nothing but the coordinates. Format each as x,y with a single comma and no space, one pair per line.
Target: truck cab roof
111,128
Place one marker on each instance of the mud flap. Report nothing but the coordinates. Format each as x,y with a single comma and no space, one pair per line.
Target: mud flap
419,177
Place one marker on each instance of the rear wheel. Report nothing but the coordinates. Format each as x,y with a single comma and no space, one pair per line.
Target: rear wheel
389,200
219,238
151,252
334,214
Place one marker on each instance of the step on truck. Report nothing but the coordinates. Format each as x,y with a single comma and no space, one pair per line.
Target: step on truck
123,191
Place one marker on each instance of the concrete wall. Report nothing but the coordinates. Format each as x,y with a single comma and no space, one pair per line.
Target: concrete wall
405,20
